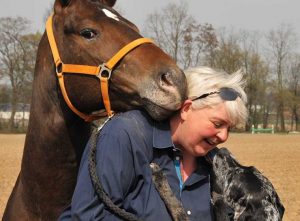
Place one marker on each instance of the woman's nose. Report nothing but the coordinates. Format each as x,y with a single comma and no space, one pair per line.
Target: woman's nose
222,134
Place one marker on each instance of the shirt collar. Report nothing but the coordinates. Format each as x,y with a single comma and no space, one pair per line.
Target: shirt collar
201,173
162,135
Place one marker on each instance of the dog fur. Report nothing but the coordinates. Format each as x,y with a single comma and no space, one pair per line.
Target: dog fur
242,193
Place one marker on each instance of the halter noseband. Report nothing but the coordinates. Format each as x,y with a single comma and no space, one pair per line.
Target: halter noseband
103,71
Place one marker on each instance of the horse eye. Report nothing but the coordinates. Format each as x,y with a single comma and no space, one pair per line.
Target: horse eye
88,33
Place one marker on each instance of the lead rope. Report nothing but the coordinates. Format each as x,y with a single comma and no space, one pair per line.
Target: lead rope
102,195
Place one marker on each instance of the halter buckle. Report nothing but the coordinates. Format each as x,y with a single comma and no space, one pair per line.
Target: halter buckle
104,72
59,67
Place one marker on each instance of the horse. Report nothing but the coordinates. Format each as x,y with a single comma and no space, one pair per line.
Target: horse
87,34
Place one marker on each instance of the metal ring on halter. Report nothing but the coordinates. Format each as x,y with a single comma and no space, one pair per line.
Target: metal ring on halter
59,67
104,72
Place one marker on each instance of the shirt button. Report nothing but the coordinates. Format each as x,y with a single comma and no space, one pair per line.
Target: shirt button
189,212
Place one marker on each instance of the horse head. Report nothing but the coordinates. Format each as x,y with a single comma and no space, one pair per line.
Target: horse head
91,32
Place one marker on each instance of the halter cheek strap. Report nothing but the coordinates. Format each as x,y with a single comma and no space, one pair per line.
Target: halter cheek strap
103,71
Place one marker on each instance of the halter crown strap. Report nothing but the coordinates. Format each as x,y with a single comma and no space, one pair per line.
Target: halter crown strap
103,71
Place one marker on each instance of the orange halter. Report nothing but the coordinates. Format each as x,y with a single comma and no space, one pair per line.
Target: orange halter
103,71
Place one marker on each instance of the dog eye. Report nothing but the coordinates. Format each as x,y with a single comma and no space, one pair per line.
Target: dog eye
242,201
88,33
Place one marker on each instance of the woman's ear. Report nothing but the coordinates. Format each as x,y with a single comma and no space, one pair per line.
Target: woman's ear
185,109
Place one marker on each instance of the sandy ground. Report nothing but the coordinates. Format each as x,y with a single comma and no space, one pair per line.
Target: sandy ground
11,150
277,156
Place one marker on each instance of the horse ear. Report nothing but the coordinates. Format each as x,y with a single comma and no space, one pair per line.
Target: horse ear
109,3
65,2
60,4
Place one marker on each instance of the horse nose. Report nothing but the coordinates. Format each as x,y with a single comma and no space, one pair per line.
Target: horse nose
173,79
166,79
173,82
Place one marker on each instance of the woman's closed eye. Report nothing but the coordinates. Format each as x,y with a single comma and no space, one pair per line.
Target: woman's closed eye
218,124
221,124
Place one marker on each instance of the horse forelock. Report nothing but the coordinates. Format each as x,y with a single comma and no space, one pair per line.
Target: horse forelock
113,14
110,14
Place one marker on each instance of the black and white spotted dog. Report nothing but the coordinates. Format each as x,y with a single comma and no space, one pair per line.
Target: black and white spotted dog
242,193
239,193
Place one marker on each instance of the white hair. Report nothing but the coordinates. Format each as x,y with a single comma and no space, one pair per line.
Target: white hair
202,80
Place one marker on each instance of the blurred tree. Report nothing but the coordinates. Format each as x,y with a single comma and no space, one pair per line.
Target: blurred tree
17,58
257,90
209,39
5,92
294,88
229,55
281,43
256,74
180,35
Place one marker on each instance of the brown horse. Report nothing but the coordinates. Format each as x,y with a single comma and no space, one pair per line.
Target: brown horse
88,32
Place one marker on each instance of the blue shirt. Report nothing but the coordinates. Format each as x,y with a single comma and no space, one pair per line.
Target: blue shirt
125,147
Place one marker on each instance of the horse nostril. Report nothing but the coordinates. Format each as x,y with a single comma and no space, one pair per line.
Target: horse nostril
166,79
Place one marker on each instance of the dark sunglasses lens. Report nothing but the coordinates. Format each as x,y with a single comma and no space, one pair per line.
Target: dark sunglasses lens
228,94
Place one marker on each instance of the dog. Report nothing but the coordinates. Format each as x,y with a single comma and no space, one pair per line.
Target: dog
238,193
241,193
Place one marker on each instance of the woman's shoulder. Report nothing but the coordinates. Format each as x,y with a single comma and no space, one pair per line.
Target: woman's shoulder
129,121
132,129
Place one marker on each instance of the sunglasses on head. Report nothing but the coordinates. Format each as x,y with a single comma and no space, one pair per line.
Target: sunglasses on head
227,94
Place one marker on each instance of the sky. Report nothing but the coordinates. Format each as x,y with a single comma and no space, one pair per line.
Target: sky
252,15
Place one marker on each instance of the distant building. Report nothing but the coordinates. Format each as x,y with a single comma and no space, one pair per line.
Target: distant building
21,115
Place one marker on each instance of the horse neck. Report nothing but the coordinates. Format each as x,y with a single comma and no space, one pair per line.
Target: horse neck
54,141
51,121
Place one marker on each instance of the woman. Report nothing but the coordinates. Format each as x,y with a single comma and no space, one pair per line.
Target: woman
131,141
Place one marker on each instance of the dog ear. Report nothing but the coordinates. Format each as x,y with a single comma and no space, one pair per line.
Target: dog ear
280,207
222,211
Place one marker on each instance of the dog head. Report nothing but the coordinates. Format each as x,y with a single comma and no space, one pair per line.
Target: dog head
244,189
